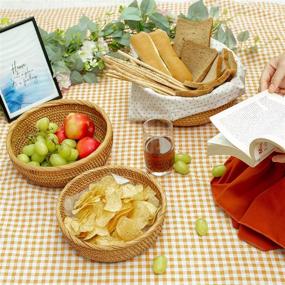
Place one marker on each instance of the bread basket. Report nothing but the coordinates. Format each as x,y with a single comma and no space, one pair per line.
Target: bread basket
145,103
111,253
56,111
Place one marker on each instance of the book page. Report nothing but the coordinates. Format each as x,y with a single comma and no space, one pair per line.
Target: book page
261,116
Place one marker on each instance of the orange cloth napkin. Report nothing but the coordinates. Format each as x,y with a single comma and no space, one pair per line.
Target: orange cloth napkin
255,200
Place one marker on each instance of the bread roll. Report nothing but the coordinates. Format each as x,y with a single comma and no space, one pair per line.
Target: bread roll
147,52
174,64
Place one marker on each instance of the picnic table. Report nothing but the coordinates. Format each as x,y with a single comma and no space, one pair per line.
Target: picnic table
33,250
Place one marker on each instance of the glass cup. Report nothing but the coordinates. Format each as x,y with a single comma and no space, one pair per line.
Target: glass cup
158,146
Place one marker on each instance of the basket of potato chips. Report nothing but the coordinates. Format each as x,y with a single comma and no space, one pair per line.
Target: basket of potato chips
112,213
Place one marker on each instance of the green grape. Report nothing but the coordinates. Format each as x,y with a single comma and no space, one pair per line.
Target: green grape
52,127
53,138
64,151
45,163
73,155
42,124
159,264
181,167
41,148
219,170
201,227
37,157
50,145
23,157
33,163
186,158
28,149
57,160
69,142
40,138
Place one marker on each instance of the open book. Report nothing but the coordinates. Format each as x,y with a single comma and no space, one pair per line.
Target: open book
250,130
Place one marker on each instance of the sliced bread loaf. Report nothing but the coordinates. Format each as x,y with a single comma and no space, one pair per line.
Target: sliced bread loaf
198,59
215,70
198,32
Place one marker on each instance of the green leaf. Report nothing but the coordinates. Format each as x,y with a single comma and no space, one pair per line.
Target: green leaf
134,4
160,21
147,7
54,53
131,13
230,40
108,29
75,32
214,12
74,62
198,11
76,77
125,39
134,25
220,34
90,77
83,22
243,36
148,27
117,34
60,67
44,34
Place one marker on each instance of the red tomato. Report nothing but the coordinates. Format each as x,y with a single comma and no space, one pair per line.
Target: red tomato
78,126
61,134
86,146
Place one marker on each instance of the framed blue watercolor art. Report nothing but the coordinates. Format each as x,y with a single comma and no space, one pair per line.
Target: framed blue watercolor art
26,78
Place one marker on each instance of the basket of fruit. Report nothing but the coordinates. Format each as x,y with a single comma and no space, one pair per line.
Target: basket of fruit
59,140
111,214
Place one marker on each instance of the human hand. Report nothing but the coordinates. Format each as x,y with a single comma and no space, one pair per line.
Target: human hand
273,75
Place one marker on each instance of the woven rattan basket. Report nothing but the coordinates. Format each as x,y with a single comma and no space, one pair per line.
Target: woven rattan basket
56,112
201,118
111,253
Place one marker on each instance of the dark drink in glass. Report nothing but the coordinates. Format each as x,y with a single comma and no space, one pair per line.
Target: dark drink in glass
158,146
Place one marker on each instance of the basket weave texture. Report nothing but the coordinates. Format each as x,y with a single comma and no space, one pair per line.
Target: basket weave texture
111,253
201,118
56,112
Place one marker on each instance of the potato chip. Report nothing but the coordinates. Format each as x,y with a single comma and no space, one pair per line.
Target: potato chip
130,190
73,226
84,213
151,196
113,202
142,213
104,218
124,212
128,229
100,231
84,197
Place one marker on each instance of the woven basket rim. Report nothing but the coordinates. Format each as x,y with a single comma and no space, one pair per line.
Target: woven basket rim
159,219
108,136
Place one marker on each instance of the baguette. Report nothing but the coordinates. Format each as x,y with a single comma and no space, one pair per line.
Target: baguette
147,52
174,64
